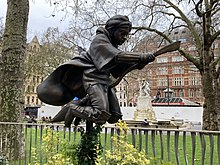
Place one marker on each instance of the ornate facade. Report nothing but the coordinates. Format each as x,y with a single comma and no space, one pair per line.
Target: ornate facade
33,79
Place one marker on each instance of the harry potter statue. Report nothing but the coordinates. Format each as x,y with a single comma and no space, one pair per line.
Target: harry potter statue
87,77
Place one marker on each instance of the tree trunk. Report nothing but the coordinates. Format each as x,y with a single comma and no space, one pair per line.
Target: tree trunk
217,99
210,118
12,69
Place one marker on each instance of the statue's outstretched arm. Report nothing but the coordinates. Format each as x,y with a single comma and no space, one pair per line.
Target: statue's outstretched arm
133,57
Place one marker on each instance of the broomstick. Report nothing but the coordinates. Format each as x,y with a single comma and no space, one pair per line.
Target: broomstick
169,48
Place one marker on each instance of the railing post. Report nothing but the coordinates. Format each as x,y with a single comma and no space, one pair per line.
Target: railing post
184,148
193,136
203,146
176,145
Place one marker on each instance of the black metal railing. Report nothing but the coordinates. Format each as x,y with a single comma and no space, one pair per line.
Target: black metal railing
189,147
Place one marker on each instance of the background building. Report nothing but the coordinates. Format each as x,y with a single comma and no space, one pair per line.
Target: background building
168,71
32,79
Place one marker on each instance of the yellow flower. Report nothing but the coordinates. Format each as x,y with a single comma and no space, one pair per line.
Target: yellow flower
124,153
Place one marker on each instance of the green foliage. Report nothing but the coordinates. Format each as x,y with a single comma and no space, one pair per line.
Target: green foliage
69,150
49,150
87,152
89,149
124,153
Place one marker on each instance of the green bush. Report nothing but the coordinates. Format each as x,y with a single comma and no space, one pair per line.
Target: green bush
49,150
124,153
89,150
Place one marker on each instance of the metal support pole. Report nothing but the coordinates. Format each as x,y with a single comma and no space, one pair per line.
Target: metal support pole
89,126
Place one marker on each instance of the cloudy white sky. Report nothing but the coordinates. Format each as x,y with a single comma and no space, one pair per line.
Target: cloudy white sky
40,17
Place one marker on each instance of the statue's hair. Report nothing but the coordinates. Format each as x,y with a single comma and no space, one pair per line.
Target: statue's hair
118,21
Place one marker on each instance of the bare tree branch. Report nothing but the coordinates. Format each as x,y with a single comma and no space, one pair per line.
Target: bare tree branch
197,6
188,22
215,36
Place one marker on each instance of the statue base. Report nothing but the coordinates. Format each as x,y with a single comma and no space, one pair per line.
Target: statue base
144,110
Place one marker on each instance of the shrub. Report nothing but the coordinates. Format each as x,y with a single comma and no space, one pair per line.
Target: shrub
49,150
124,153
89,150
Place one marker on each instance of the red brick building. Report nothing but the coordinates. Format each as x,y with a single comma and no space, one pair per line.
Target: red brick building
171,70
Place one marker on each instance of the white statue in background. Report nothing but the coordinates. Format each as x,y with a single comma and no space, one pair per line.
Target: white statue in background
145,88
144,110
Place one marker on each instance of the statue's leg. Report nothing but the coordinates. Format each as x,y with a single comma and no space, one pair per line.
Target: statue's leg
65,115
97,111
60,116
84,101
87,113
114,107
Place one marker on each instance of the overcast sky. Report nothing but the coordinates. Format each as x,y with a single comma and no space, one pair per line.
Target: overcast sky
39,17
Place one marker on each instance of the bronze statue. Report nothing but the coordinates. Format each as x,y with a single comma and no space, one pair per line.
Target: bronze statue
87,77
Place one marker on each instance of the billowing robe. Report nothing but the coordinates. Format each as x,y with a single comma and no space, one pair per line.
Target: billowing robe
73,77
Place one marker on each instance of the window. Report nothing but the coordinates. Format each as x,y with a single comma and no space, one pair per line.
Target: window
194,80
32,100
28,99
162,59
177,58
162,71
34,48
162,82
181,93
191,93
38,79
28,89
178,81
177,70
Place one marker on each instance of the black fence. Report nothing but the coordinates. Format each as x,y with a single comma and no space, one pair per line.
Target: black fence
163,145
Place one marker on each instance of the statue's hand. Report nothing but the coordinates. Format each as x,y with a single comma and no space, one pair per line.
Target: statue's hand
150,57
147,58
